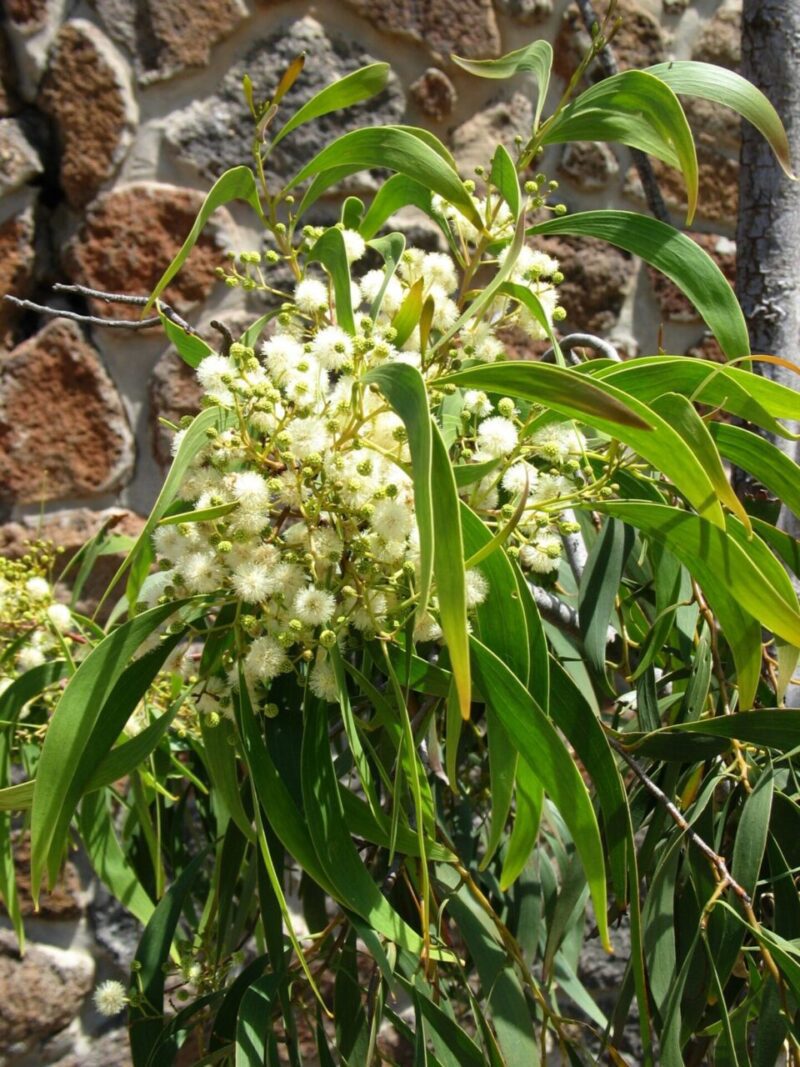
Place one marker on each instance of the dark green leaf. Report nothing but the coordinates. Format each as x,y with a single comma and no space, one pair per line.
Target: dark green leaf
677,256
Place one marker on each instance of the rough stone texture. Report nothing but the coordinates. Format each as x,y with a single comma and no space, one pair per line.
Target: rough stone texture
131,235
217,133
71,529
713,124
19,160
28,16
63,430
598,277
639,42
674,305
42,991
466,27
434,94
9,100
165,37
16,267
108,1049
720,41
473,142
174,392
526,11
86,91
590,165
64,901
719,186
116,930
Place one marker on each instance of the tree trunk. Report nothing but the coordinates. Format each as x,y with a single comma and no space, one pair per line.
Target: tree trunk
768,237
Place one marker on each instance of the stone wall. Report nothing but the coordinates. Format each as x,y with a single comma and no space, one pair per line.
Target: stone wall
115,118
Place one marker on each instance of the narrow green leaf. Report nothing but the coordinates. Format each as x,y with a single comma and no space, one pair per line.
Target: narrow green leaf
766,727
330,835
741,392
392,147
330,251
96,828
762,459
151,955
739,592
408,314
219,755
351,89
504,178
540,746
508,1008
572,714
598,589
235,184
217,511
397,192
536,59
525,831
391,248
681,415
254,331
639,110
716,558
677,256
195,438
95,706
712,82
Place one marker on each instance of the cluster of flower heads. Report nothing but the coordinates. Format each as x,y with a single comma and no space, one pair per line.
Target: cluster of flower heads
34,626
304,501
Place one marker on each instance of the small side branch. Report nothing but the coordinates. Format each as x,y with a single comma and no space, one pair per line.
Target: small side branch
726,880
96,320
581,340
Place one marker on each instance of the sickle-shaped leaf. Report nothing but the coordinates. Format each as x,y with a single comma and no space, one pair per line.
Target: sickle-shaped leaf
677,256
536,59
352,89
235,184
399,150
639,110
741,392
681,415
390,248
146,1021
710,82
504,178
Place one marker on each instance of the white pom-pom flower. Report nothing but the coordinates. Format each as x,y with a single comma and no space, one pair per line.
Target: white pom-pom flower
497,437
110,997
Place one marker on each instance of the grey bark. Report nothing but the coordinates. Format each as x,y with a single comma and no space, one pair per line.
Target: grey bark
768,237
